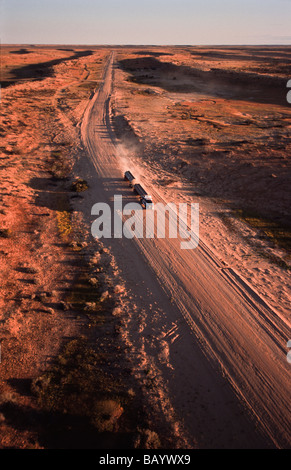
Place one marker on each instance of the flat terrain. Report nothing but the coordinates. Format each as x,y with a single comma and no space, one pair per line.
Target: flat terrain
204,331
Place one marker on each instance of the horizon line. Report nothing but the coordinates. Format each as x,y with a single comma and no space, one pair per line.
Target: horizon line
140,45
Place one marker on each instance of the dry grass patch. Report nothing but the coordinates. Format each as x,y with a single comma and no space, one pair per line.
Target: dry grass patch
79,185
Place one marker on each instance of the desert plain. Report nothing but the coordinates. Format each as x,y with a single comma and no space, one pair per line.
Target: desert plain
131,343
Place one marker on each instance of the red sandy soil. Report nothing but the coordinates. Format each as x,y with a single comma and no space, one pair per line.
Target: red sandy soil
36,268
179,293
209,125
222,139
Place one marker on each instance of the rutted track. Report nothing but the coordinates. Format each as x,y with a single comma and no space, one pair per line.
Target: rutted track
236,338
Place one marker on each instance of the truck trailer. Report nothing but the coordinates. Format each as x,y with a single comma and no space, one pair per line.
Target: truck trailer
128,176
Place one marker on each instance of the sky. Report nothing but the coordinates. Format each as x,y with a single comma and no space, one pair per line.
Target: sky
200,22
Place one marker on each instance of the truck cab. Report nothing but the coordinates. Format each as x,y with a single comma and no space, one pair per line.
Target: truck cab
147,202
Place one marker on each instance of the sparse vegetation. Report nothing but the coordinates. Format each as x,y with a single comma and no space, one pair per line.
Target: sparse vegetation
64,219
5,233
79,185
68,319
279,235
147,439
60,167
106,414
82,396
268,230
76,382
81,386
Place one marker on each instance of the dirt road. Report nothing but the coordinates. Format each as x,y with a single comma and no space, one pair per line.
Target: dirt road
215,350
